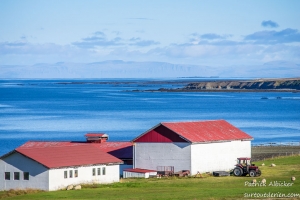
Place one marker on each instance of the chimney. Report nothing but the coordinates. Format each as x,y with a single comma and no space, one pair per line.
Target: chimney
96,137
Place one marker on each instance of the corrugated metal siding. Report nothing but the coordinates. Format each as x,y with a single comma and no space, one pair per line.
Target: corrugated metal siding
160,134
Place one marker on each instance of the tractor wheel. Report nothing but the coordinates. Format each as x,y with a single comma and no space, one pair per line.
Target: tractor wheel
237,171
252,173
258,173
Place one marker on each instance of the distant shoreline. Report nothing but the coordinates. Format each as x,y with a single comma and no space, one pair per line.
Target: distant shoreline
220,85
258,85
220,90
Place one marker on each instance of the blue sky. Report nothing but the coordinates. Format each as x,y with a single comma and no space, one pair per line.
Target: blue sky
213,33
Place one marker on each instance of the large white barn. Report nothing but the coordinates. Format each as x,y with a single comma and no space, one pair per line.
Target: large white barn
49,166
201,146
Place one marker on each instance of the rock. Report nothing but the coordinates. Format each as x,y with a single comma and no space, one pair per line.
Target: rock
254,181
272,165
77,187
264,181
293,178
70,187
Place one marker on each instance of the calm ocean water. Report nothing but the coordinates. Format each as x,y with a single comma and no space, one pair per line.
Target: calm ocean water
48,110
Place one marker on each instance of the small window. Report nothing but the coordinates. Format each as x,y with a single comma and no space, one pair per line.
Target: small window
103,170
75,173
99,171
26,175
66,174
71,173
7,175
16,175
94,171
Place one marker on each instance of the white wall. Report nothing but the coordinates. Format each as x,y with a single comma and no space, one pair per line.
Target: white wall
218,156
151,155
38,174
85,175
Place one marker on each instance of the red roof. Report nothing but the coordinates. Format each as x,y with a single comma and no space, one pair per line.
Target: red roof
196,132
122,150
96,135
138,170
66,154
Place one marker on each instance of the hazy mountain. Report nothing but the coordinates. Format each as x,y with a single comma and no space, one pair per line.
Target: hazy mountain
122,69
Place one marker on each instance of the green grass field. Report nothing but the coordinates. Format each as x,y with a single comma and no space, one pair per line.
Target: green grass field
208,187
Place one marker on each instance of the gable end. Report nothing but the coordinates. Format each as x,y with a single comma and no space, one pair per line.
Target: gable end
160,133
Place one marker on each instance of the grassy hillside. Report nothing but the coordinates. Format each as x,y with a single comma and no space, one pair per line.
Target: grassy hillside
208,187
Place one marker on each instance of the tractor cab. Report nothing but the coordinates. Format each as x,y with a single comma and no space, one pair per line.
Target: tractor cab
245,167
244,161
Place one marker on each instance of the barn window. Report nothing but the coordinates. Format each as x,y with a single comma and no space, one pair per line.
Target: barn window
66,174
26,175
16,175
75,173
94,171
7,175
103,170
71,174
99,171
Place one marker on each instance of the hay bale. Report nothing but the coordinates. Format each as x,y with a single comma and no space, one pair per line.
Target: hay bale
293,178
253,181
272,165
70,187
263,164
77,187
264,181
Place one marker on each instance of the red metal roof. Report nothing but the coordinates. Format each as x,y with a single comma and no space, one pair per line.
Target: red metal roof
42,144
96,135
138,170
65,155
121,150
199,131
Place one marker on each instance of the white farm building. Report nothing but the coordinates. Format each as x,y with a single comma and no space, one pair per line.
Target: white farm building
55,165
201,146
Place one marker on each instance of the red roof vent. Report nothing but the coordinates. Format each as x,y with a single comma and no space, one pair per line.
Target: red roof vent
96,137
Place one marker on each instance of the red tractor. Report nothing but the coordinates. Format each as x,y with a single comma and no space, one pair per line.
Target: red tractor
244,167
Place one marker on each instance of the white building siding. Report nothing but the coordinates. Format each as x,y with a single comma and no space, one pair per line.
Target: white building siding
152,155
57,178
38,174
218,156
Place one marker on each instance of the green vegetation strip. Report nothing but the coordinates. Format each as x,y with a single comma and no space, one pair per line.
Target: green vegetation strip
278,182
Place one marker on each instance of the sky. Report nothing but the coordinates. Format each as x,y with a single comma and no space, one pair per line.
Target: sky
199,32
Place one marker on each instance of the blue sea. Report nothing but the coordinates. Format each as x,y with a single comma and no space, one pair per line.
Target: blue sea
60,110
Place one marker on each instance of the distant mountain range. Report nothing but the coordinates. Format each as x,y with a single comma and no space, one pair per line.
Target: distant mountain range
125,69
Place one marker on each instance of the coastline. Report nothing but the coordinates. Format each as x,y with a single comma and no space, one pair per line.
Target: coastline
219,90
259,85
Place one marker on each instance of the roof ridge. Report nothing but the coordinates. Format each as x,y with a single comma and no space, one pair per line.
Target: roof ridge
194,121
